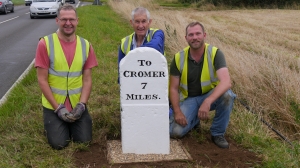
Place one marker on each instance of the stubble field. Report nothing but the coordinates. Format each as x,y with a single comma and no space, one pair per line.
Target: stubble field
262,53
261,49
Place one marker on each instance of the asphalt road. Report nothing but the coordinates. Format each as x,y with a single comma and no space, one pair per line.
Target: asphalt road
19,36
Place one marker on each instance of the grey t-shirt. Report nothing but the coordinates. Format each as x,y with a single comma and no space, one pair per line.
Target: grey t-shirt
194,72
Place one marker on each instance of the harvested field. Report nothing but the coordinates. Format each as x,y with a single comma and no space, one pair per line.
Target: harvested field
261,49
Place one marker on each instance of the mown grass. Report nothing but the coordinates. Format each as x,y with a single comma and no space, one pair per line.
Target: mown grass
18,2
23,143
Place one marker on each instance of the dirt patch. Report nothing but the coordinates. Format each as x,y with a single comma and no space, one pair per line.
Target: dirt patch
203,151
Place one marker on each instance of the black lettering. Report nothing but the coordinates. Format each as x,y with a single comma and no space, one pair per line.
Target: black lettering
136,97
124,74
129,97
161,74
144,85
141,97
147,74
148,97
140,74
148,63
155,74
141,62
133,74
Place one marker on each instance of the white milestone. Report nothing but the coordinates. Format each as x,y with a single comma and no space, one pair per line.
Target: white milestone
144,102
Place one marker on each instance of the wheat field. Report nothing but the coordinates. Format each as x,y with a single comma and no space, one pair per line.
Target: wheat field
262,50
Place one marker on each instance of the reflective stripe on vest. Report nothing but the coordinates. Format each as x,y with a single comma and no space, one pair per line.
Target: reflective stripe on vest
65,80
127,41
208,79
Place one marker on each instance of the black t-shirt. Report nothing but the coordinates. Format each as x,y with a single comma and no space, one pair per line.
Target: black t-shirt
194,72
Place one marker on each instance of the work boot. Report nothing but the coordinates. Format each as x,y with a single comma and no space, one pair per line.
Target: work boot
220,141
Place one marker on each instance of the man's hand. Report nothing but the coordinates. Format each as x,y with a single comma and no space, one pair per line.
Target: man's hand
64,114
77,111
203,111
180,118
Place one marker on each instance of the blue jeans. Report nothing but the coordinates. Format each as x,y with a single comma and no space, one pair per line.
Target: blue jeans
190,106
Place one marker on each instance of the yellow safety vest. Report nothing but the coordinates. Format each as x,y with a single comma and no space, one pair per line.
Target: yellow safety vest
127,41
65,81
208,79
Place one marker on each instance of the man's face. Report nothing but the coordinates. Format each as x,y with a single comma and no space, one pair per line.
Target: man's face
140,24
195,37
67,22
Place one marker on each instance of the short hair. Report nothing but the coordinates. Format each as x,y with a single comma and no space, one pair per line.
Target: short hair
140,10
194,24
66,7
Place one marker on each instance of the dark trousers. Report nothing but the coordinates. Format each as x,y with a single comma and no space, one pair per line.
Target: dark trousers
59,133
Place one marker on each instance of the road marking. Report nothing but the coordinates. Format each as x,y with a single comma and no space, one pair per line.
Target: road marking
9,20
77,4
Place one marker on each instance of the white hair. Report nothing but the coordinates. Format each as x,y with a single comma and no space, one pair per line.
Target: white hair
140,10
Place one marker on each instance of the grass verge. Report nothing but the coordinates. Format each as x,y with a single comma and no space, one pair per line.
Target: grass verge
18,2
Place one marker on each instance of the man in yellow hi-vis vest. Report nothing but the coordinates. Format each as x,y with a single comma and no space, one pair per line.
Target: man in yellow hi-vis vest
199,83
143,35
64,63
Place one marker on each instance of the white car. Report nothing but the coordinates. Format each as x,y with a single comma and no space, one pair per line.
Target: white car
44,8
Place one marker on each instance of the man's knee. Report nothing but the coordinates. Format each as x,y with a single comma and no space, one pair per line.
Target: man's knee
57,138
58,143
228,98
83,138
177,131
82,132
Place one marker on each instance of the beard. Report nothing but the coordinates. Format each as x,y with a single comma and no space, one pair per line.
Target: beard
196,44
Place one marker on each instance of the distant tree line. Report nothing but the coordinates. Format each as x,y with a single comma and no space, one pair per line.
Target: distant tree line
249,3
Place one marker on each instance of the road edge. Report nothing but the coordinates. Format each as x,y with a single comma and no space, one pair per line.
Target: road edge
4,98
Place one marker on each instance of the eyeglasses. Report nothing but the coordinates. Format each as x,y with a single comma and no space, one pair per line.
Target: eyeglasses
70,20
